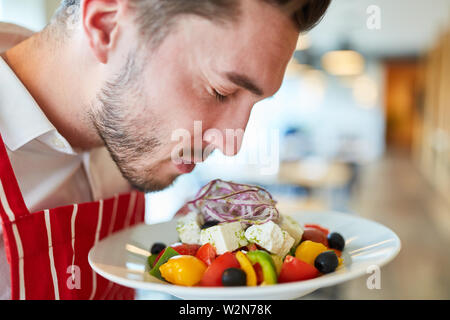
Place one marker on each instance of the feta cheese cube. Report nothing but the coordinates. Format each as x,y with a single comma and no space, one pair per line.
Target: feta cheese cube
189,226
270,237
287,244
292,227
224,237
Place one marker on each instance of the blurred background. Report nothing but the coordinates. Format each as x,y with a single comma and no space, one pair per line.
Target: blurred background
361,125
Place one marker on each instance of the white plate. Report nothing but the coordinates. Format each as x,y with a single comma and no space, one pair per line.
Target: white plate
119,258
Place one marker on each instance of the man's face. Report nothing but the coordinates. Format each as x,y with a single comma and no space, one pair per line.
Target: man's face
202,71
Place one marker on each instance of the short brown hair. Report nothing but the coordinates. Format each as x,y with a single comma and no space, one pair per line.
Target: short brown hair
156,17
305,13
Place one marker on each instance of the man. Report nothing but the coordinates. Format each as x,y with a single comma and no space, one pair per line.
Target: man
122,76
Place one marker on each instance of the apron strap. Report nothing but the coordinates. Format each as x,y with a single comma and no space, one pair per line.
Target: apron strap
11,199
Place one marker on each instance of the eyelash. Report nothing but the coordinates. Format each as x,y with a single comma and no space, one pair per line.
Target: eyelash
219,97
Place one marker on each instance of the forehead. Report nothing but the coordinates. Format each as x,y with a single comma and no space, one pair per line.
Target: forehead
259,44
265,33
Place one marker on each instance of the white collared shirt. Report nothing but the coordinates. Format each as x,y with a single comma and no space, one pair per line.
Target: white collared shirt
50,173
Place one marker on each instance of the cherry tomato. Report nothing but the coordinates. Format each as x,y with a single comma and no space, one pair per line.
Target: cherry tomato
316,226
315,235
181,248
294,269
206,253
252,247
186,249
213,274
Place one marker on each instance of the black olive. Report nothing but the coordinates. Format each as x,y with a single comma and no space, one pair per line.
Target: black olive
209,224
233,277
157,248
326,262
336,241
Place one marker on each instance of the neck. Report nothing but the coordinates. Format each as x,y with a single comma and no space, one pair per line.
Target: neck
62,87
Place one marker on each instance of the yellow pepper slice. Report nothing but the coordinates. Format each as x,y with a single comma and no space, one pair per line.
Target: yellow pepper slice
247,267
308,250
183,270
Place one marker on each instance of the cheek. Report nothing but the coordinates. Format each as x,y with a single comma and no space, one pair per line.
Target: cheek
178,98
185,108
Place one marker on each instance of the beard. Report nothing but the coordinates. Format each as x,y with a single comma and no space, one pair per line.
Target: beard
122,122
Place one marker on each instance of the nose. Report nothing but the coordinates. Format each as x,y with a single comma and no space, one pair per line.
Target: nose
227,131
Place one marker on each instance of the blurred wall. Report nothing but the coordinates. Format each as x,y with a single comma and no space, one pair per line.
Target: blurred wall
50,7
32,14
432,127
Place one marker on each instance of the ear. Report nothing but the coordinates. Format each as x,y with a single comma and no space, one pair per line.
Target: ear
100,24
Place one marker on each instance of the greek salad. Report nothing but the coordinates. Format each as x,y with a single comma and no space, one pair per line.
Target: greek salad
233,235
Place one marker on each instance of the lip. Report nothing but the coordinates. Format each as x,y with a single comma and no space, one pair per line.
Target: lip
185,167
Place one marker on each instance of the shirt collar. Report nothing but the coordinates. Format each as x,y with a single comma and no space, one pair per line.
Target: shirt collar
21,119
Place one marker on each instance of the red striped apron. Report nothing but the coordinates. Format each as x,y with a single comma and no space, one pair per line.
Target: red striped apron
48,250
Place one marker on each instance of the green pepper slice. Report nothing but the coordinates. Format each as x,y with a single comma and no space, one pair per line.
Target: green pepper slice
266,263
151,260
168,253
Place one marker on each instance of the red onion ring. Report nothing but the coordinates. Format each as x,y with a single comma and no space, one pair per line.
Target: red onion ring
225,201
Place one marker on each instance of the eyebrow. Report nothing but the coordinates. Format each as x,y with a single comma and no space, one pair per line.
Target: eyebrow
244,82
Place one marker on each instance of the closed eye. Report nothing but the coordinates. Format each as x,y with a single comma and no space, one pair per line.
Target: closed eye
219,97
